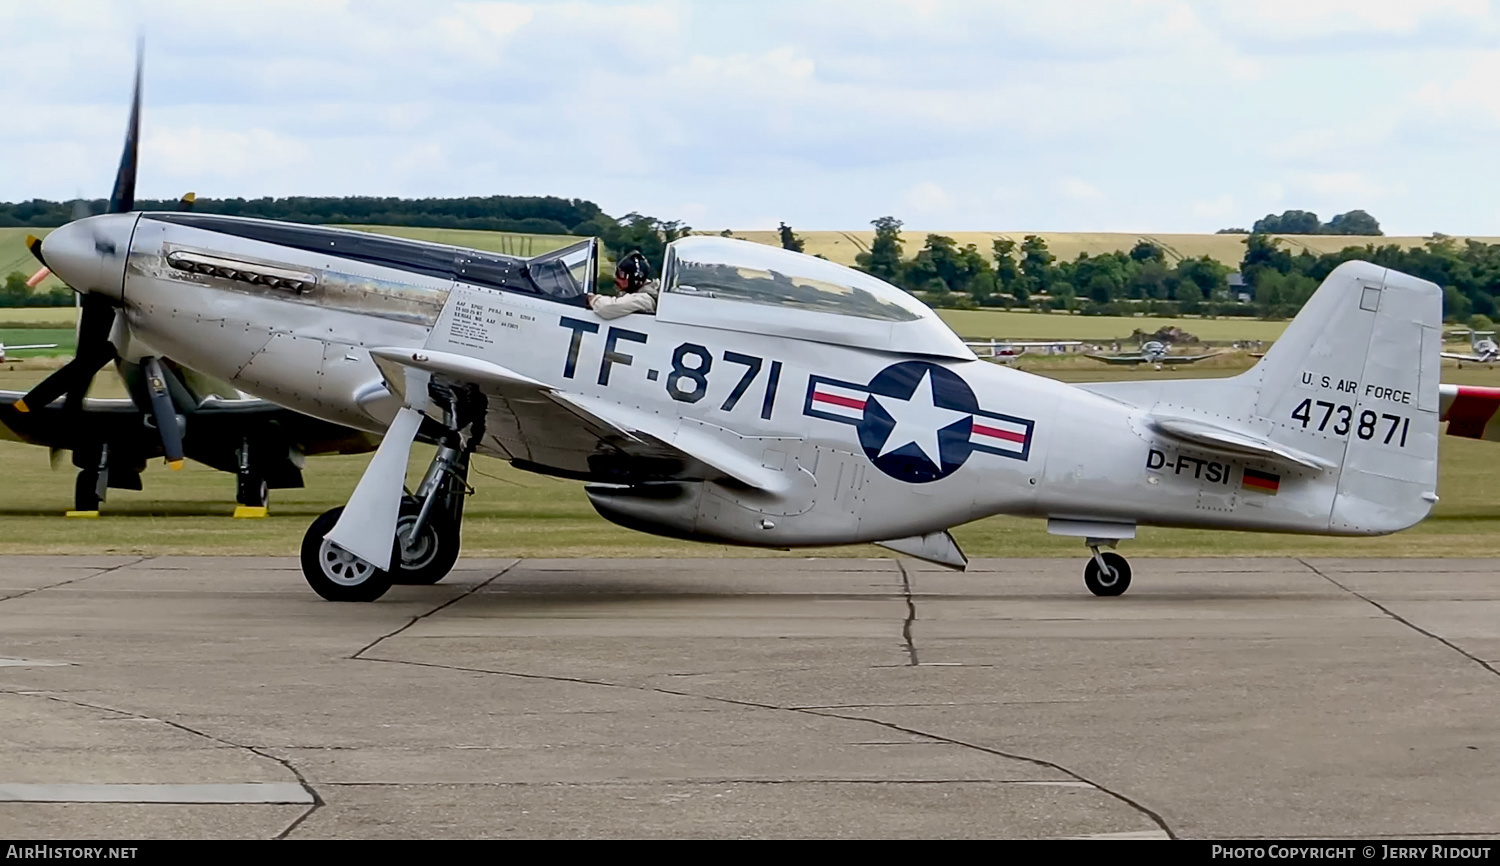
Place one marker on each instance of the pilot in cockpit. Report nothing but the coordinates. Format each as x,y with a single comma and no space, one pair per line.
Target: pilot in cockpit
637,290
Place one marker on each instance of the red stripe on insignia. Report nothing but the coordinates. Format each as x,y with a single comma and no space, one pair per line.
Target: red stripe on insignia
836,400
1472,410
996,432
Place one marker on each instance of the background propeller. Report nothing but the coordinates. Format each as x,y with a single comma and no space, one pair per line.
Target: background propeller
97,312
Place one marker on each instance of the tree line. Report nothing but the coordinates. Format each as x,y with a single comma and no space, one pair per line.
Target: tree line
544,215
1302,222
1028,275
1272,282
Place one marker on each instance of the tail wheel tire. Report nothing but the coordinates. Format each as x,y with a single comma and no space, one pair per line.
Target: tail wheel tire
429,557
335,573
1107,583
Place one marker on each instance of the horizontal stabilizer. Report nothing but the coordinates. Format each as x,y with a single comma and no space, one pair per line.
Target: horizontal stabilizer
935,547
1219,438
1470,411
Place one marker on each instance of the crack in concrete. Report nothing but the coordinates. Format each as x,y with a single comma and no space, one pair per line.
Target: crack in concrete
712,780
359,654
1403,620
1133,804
100,573
317,799
911,615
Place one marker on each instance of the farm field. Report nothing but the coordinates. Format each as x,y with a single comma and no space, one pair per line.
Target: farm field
519,514
842,247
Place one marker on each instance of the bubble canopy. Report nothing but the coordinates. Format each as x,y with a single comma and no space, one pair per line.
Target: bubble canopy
739,285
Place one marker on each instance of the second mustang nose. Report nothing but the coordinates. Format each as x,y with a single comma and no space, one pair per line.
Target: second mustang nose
90,254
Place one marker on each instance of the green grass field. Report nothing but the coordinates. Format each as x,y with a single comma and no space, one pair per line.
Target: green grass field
65,338
520,514
981,324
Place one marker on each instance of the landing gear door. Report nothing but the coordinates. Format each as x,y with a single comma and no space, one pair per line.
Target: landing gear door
567,273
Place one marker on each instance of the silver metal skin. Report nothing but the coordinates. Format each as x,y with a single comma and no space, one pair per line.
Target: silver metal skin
832,410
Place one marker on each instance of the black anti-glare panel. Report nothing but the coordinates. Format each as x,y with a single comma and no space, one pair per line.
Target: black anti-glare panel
490,270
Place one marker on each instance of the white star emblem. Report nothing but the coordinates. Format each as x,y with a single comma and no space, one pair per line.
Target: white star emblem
918,420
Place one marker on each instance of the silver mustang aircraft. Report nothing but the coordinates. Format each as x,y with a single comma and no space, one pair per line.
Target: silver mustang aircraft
774,399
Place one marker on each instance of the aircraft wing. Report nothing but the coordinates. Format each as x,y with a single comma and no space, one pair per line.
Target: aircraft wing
531,424
1187,359
214,431
30,346
1460,356
1118,359
51,428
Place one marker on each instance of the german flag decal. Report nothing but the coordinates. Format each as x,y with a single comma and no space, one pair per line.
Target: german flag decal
1265,482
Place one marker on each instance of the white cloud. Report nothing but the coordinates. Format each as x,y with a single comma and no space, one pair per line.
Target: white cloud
1078,188
928,198
1220,207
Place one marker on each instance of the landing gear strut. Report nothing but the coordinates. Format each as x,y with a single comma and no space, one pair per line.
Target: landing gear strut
428,524
427,532
1107,573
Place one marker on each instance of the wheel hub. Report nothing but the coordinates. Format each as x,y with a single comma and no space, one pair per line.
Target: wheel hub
343,567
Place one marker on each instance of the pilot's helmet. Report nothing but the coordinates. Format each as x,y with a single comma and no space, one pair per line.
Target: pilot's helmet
632,272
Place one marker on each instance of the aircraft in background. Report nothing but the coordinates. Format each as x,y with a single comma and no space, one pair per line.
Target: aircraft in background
4,348
773,399
1152,352
1006,351
1484,349
175,413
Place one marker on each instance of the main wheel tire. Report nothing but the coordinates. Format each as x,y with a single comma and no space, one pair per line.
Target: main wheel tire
431,556
86,491
251,490
335,573
1115,582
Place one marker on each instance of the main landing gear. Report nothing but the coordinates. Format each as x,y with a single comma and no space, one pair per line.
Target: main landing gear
1107,573
428,526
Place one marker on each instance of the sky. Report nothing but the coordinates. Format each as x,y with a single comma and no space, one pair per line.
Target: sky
987,116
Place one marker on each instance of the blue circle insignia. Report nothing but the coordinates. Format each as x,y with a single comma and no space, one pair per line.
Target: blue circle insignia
917,421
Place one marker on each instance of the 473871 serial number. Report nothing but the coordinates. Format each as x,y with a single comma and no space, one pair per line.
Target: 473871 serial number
1368,425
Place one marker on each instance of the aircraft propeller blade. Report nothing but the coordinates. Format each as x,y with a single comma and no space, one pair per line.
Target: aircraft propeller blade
94,351
187,201
122,197
34,246
164,411
36,279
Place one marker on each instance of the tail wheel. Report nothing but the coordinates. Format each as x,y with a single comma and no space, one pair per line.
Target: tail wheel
428,558
335,573
1113,581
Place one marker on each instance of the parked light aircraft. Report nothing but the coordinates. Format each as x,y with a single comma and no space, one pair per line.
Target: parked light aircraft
1483,346
774,399
1005,351
1152,352
4,348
